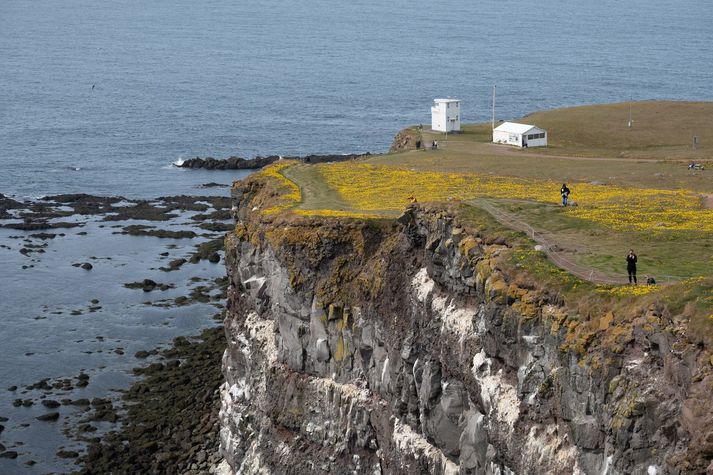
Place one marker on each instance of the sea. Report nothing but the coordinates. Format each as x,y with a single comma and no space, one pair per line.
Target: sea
103,97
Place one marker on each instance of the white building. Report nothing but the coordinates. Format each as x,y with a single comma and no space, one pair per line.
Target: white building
520,135
445,115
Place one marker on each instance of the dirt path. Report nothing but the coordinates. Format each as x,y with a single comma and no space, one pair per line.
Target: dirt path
549,246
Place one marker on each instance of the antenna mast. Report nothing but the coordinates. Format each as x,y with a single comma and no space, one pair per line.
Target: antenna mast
630,121
493,122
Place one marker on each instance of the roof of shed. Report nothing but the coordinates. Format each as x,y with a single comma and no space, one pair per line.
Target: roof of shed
515,128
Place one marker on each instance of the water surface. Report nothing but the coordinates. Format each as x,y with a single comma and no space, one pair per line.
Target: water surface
177,78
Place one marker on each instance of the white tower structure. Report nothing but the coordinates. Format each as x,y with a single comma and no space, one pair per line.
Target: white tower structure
445,115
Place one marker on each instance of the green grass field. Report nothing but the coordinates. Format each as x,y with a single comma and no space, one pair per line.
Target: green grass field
666,256
661,130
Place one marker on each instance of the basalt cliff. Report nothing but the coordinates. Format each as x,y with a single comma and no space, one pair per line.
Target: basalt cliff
418,345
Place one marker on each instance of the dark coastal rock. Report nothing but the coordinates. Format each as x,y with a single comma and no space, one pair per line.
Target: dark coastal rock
44,236
82,377
208,250
8,203
50,416
214,185
238,163
86,428
49,403
67,454
141,230
10,454
173,265
232,163
218,215
29,225
84,204
161,439
148,285
217,227
73,198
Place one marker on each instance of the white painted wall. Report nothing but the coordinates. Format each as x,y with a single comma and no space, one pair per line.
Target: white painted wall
533,142
508,138
445,116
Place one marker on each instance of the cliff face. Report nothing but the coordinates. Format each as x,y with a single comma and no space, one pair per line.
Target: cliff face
405,140
406,348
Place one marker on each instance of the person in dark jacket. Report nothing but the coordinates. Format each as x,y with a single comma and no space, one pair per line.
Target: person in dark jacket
564,191
631,265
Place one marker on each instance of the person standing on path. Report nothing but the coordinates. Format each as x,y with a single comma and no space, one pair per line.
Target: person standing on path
564,191
631,265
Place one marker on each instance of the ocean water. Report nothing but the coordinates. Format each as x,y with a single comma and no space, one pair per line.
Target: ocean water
101,97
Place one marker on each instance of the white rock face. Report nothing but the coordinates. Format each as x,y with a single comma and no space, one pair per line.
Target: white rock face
499,396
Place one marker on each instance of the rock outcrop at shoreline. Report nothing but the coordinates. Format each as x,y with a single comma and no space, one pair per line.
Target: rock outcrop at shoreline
411,348
238,163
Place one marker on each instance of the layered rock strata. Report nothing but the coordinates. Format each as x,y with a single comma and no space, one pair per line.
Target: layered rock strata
365,348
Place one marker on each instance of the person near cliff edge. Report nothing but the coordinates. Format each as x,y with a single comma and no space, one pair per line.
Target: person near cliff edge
631,265
564,191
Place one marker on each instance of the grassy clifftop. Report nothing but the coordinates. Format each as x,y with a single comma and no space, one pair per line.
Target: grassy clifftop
659,130
658,207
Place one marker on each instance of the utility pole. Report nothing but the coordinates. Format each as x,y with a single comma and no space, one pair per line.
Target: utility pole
630,121
493,121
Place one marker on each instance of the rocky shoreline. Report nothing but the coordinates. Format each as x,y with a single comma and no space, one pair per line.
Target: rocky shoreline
239,163
166,422
171,421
